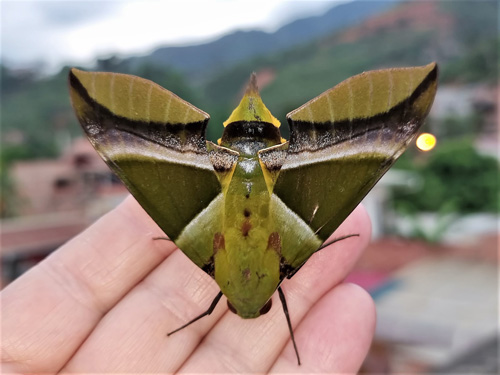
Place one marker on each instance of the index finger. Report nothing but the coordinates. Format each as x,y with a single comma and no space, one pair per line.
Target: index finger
48,312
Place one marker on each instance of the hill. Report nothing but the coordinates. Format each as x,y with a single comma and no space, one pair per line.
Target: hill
459,35
196,61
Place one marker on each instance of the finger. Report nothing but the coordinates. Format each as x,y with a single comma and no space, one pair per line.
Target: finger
171,295
334,336
252,345
50,310
132,337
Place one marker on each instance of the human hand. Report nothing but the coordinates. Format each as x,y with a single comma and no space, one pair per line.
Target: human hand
105,301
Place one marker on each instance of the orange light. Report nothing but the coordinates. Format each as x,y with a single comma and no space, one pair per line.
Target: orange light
426,141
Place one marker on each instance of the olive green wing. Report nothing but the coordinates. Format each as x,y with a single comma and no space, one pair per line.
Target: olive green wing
155,142
341,144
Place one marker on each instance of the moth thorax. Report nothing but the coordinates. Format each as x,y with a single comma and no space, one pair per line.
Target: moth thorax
261,134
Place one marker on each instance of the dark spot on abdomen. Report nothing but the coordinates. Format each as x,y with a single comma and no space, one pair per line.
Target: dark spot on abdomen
249,189
246,274
245,228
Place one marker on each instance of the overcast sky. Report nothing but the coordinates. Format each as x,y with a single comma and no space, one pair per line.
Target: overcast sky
70,32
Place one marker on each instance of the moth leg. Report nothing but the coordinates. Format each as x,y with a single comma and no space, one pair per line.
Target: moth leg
208,312
162,238
285,310
326,244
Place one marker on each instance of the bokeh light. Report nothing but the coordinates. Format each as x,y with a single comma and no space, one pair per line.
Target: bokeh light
426,141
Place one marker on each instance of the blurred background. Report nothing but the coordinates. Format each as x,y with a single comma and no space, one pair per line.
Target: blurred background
432,266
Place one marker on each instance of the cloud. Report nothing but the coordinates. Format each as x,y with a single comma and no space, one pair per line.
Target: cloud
71,13
76,32
33,32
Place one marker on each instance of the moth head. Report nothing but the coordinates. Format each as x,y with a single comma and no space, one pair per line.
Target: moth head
251,126
251,107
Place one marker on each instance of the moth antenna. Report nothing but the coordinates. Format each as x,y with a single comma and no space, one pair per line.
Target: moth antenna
208,312
285,309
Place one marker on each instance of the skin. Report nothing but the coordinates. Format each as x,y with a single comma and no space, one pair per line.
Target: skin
104,302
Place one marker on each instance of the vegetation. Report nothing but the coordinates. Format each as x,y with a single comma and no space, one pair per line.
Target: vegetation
479,64
456,178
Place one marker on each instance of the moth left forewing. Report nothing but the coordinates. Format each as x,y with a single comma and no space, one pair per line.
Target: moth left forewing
341,144
155,142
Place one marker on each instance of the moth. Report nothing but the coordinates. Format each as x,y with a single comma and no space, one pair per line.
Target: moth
252,208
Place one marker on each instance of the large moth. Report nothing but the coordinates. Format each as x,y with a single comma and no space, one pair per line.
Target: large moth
251,209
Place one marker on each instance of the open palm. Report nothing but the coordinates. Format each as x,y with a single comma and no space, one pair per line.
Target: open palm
104,302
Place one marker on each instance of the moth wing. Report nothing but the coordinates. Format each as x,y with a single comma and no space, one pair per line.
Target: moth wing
155,142
341,144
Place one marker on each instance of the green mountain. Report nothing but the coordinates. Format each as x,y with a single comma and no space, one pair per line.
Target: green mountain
197,61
